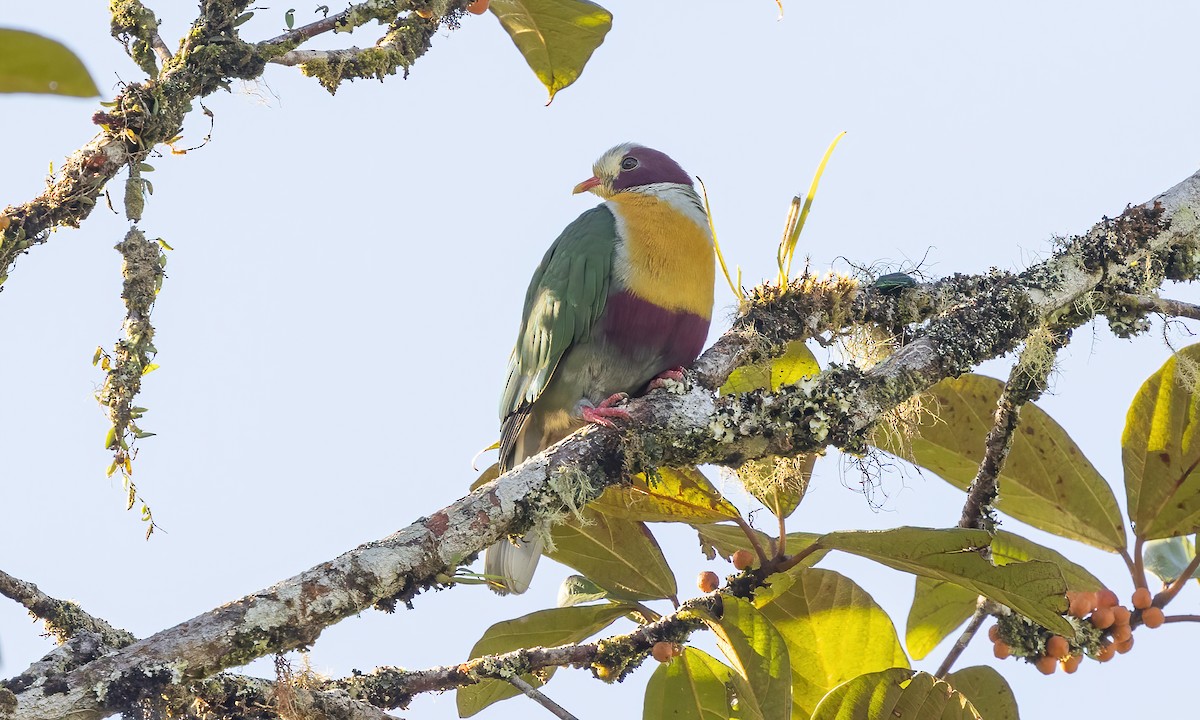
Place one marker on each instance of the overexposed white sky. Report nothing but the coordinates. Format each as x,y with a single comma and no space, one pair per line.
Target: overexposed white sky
348,275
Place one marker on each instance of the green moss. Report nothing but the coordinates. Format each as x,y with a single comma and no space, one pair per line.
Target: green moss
134,25
8,703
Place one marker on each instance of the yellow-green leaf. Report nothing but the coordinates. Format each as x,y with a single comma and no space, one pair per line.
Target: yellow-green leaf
796,363
1035,589
725,540
1010,548
676,495
1046,482
759,656
938,608
557,37
619,555
834,631
1160,452
895,694
987,690
30,63
556,626
779,483
693,686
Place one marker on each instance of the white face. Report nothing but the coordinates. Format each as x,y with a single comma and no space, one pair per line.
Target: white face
608,167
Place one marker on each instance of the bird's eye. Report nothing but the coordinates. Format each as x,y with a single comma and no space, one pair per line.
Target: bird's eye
629,163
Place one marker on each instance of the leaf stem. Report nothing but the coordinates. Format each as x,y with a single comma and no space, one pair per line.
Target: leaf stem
1139,563
753,538
1181,618
781,546
1177,584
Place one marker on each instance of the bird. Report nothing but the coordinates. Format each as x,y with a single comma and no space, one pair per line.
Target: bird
621,301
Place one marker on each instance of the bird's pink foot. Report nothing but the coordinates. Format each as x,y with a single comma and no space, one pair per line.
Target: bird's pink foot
675,374
605,412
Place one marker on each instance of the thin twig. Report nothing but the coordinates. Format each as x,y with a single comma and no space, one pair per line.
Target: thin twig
160,49
1177,584
753,538
965,639
313,29
798,558
541,699
1181,618
1164,306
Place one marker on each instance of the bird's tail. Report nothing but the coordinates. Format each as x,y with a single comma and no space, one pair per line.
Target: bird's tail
510,565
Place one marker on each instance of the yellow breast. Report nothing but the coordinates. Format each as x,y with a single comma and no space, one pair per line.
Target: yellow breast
668,257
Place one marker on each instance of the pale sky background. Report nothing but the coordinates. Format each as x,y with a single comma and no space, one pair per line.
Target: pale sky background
348,275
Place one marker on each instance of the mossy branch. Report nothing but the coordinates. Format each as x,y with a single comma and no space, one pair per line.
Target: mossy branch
1132,253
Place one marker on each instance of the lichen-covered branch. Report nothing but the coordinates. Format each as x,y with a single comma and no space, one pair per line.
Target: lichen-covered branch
63,619
1132,253
1026,383
1162,306
610,659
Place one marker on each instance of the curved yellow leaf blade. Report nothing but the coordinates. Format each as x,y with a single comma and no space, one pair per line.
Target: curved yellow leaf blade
556,37
895,694
692,686
31,63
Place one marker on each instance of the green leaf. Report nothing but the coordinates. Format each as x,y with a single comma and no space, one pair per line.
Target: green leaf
556,626
833,630
1159,450
557,37
693,686
725,540
796,363
779,483
759,656
1010,548
621,556
987,690
1046,482
676,495
938,608
35,64
577,590
1169,557
896,694
1035,589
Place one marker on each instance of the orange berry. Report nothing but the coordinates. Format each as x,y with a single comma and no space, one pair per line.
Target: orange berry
1142,599
1106,598
1001,650
1057,647
663,651
478,7
1120,615
1103,618
708,581
1106,653
1071,663
1153,617
1121,633
1081,603
1124,646
994,633
1047,665
742,559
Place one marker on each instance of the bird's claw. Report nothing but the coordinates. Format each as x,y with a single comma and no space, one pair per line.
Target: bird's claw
665,378
604,413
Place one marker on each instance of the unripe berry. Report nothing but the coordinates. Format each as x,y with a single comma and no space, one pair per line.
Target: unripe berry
1153,617
1071,663
1103,618
1142,599
1106,598
1047,665
708,581
1057,647
1121,633
663,651
1001,650
743,559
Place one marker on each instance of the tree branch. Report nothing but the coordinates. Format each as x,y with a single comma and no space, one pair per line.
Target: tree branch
63,619
540,698
1128,254
964,639
1162,306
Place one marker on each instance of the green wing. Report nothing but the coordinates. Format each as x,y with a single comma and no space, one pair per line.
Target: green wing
565,298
